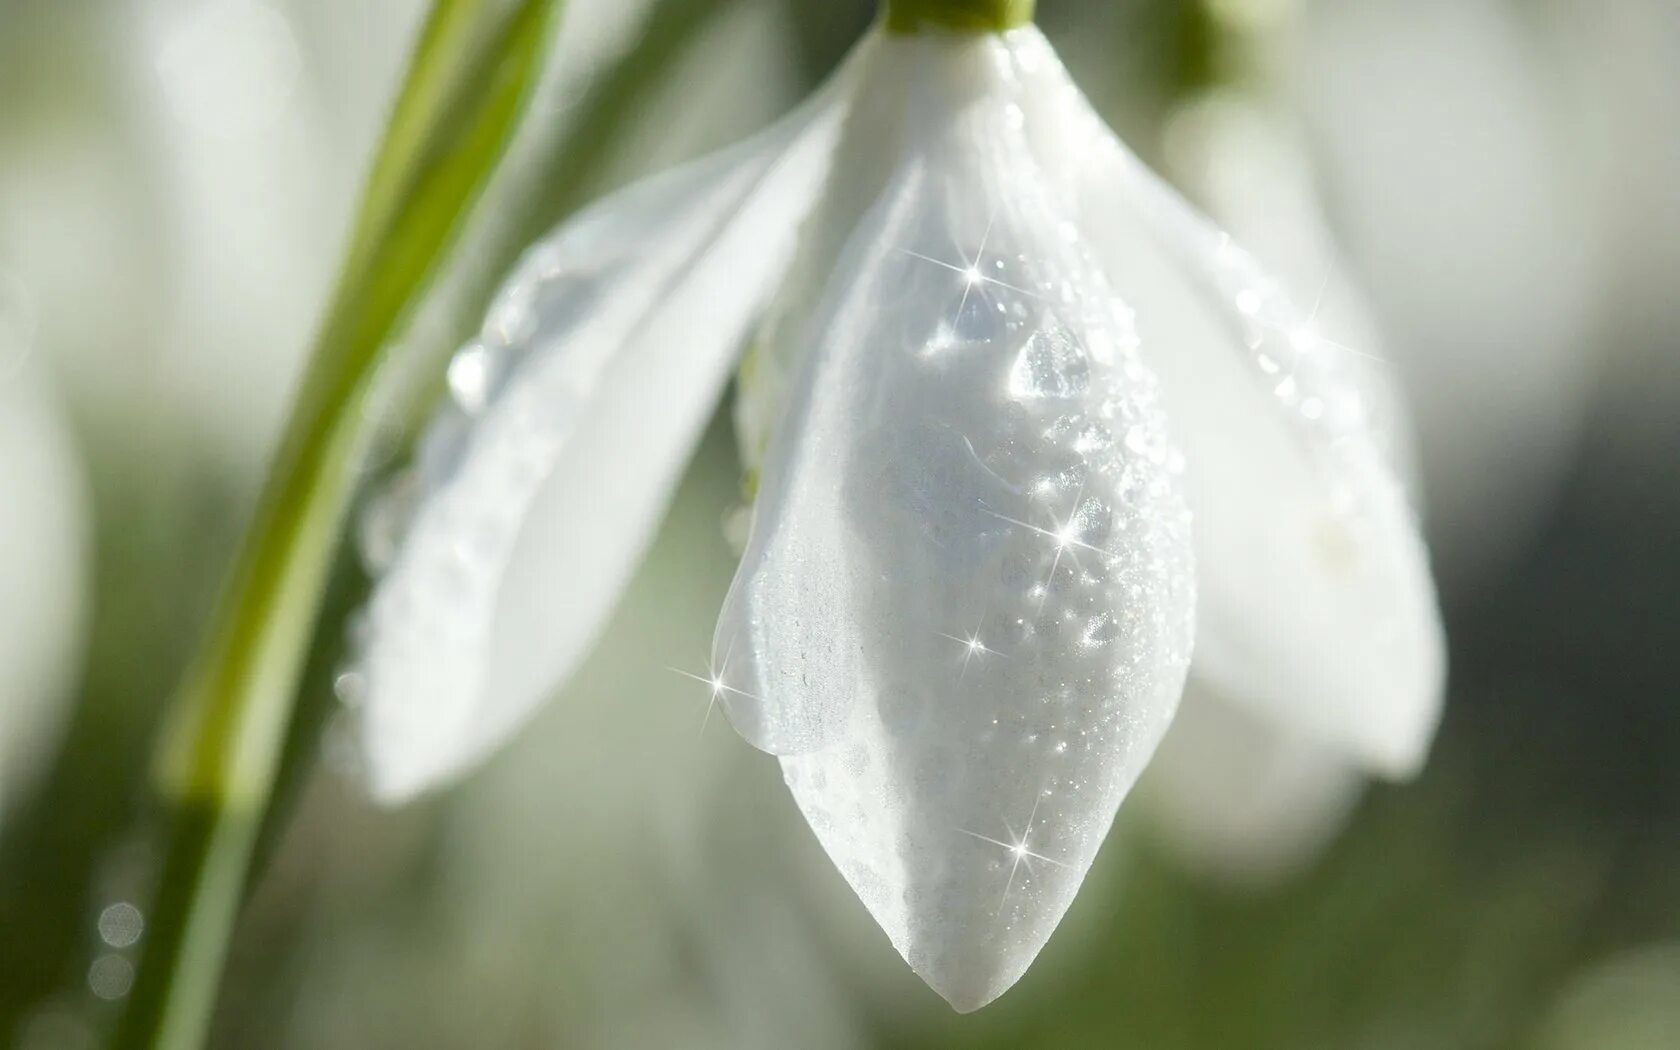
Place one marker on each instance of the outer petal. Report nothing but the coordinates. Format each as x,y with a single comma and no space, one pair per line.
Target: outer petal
1244,159
1241,797
577,409
1316,603
1237,796
969,580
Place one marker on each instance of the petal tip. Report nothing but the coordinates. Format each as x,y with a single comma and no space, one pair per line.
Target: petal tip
1401,757
1399,749
390,783
395,771
968,992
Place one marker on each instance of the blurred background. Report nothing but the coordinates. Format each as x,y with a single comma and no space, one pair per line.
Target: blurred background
1487,192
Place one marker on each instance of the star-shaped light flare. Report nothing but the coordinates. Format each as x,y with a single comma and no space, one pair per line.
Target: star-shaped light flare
1063,534
1019,848
971,271
716,680
972,645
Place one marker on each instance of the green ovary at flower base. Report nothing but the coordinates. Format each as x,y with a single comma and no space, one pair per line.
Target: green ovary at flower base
982,16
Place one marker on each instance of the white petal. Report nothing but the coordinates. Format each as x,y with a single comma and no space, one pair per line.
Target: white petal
599,364
1238,797
1241,798
969,585
1316,603
1246,160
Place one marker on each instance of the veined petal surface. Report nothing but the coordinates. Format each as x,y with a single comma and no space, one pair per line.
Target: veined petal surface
1316,602
965,610
574,414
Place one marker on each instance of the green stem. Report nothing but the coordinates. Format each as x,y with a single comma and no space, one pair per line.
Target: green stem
221,755
565,171
465,87
974,16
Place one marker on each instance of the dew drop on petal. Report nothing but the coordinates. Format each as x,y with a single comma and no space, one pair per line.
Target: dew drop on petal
350,686
1051,364
472,375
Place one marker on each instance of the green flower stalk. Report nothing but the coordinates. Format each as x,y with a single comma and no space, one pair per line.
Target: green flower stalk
466,86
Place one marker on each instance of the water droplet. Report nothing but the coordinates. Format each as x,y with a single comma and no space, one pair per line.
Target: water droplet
350,687
1093,523
976,315
1093,438
472,375
1101,629
1051,364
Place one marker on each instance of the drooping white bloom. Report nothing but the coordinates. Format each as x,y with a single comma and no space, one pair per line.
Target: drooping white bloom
998,367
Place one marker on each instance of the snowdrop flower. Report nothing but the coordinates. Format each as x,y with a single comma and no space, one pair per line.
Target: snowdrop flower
996,365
